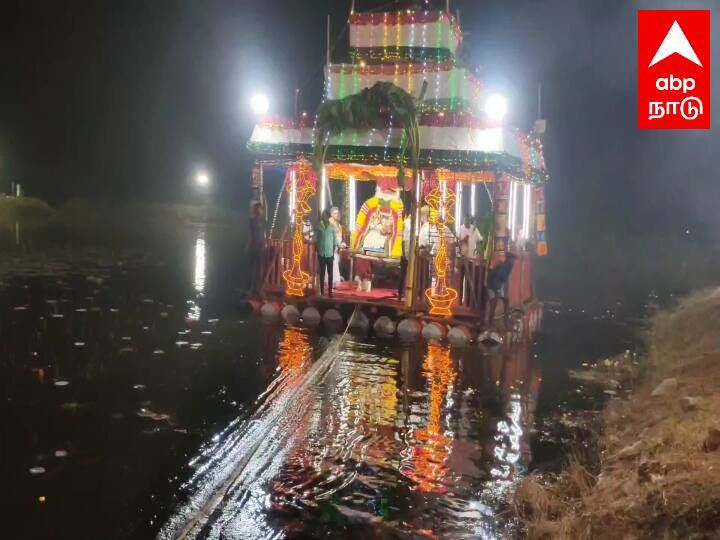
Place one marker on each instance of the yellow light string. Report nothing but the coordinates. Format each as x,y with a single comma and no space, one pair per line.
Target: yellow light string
296,278
441,296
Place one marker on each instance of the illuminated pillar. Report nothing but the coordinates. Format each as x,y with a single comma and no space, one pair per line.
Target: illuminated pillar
323,189
353,203
441,296
458,205
472,199
300,188
527,209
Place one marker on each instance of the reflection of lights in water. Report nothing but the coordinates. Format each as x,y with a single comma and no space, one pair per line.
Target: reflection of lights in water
294,351
507,450
427,463
199,278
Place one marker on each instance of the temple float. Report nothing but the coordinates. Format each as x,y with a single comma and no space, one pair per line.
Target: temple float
404,148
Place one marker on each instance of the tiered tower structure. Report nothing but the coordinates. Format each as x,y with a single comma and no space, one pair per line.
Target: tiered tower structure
417,50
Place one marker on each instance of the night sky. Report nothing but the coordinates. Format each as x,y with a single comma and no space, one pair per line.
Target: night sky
122,100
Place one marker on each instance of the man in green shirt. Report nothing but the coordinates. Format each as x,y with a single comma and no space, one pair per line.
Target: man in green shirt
326,243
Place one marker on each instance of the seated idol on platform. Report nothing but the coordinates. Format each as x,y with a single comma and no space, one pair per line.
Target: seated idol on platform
380,225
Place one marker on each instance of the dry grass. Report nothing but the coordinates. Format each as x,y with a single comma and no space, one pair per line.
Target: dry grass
656,480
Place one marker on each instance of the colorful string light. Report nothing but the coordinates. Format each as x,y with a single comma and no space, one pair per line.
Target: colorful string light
441,296
301,187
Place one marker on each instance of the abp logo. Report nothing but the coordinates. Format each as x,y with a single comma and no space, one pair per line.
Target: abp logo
674,69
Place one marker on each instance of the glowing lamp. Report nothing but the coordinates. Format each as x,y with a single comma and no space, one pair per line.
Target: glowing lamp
496,107
260,103
202,179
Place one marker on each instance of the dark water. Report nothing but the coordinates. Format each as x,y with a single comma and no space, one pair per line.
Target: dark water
134,394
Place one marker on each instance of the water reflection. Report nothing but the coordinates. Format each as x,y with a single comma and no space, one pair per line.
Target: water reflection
413,441
194,309
430,447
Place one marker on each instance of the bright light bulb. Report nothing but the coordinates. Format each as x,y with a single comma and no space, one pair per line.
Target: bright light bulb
496,107
260,103
202,178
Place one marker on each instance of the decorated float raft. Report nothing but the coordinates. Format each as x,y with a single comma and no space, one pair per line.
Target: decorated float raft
404,116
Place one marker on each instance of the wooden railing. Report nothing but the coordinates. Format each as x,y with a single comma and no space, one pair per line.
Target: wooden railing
465,276
277,258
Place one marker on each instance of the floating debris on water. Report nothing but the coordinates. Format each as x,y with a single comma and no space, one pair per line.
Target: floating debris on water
79,343
41,499
114,310
182,343
206,332
70,405
20,308
138,387
81,310
61,453
57,315
37,470
158,351
163,314
61,383
157,417
127,350
126,338
196,346
213,321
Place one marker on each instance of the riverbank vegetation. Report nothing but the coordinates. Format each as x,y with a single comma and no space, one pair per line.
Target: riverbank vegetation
655,470
84,222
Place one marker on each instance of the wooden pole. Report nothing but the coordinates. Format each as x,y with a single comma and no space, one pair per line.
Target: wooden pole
328,41
412,261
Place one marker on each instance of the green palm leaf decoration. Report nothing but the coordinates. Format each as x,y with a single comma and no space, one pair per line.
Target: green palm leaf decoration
370,109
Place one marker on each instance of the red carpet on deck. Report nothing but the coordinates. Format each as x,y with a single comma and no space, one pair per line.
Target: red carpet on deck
347,290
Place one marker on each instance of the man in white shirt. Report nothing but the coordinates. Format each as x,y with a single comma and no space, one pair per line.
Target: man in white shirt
470,239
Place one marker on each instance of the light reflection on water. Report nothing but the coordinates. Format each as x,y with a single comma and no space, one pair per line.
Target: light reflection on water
394,442
194,309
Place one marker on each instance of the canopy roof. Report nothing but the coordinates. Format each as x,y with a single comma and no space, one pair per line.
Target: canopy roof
410,49
498,150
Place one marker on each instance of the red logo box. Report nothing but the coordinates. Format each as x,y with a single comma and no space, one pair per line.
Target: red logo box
674,69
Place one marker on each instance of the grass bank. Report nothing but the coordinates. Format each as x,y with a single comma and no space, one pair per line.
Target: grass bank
655,471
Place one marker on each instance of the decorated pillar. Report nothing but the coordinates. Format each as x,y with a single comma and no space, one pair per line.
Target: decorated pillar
541,247
300,183
257,183
442,204
501,202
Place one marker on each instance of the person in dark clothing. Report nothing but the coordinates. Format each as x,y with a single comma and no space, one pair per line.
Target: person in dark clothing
326,242
497,278
256,243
